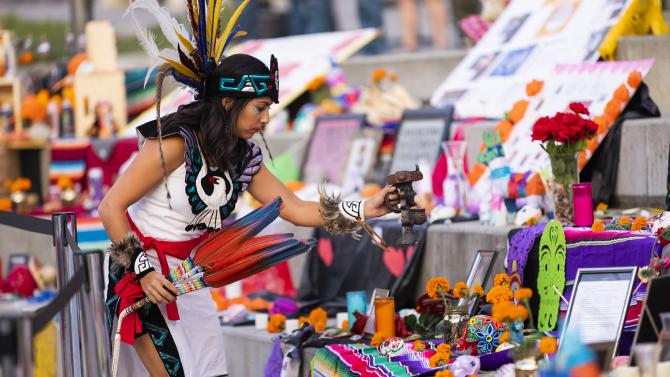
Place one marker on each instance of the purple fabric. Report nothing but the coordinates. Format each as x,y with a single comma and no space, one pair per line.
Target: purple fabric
520,245
284,306
274,363
495,360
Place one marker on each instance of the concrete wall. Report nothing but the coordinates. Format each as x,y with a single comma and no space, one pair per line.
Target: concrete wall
643,163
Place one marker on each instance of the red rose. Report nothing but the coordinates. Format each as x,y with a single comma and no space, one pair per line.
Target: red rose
542,129
579,108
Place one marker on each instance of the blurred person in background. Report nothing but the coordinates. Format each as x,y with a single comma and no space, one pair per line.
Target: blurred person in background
437,13
310,16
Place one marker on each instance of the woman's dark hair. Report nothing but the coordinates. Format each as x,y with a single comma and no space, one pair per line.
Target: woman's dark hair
212,122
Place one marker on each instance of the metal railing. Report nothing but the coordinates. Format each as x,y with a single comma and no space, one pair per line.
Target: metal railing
84,340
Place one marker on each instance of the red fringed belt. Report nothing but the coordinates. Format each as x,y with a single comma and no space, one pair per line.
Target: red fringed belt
129,289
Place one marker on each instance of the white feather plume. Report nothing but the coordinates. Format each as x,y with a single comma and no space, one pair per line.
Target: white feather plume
168,24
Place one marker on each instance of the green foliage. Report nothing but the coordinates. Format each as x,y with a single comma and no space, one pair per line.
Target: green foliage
425,325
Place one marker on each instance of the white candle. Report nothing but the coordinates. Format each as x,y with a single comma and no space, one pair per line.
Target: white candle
291,325
626,371
341,317
261,321
663,369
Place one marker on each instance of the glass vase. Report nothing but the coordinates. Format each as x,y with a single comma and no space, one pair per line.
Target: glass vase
526,367
565,172
455,323
455,186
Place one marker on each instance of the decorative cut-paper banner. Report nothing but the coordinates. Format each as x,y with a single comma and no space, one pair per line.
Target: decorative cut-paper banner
551,275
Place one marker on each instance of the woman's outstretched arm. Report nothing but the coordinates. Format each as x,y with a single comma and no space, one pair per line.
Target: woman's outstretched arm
265,187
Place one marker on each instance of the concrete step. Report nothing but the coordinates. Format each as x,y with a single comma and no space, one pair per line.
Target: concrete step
651,46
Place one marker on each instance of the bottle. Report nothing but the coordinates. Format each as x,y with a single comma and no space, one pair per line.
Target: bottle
66,120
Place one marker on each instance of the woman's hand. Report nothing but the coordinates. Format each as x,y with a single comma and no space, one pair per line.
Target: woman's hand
158,288
375,206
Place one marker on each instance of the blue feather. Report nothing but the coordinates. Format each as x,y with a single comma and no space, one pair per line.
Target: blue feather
185,80
202,32
230,38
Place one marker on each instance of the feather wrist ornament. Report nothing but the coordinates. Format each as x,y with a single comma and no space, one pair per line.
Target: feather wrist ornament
334,221
123,252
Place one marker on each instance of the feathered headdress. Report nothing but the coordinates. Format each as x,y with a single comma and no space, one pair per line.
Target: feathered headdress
193,58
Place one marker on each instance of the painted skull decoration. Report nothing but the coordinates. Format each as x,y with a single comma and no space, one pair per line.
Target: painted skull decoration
551,276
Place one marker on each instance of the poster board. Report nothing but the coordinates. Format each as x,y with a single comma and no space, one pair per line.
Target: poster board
362,156
420,136
526,42
329,144
599,304
592,84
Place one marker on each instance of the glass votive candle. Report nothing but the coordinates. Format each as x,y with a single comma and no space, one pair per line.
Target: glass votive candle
261,321
582,204
385,316
356,302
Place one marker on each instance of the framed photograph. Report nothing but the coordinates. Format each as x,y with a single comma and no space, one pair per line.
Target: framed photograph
598,306
370,324
362,156
420,136
328,148
651,322
479,273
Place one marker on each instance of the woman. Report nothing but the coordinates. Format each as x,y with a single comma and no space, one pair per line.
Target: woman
191,168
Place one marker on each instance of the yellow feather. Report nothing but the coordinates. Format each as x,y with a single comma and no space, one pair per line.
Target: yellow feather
219,41
215,26
229,27
181,68
185,42
210,7
195,18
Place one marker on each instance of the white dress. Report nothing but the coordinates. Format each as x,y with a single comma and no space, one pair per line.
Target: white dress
200,199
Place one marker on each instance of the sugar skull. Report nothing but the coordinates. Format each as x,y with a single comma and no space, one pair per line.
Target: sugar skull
481,336
392,347
551,274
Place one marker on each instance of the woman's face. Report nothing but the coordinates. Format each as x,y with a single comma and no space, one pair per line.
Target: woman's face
253,117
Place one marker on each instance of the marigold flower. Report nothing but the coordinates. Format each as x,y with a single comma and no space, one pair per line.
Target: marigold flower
534,87
437,286
419,346
625,221
445,373
377,339
64,183
478,290
440,359
501,279
504,337
518,111
317,315
520,312
461,290
601,207
523,294
640,223
634,79
499,294
443,348
345,324
378,75
502,311
598,226
276,323
302,320
5,204
548,345
621,93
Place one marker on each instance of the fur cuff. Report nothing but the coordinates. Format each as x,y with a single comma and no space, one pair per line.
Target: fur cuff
333,220
121,252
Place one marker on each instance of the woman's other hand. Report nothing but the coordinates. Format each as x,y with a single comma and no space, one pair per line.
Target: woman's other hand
158,288
375,206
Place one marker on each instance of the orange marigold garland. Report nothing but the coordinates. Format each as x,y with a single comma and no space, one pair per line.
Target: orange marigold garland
277,323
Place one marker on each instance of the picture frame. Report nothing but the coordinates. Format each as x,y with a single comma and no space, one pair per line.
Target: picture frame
479,273
651,325
361,158
420,136
332,134
598,304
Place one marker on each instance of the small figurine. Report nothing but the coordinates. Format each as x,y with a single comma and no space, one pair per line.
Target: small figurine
402,180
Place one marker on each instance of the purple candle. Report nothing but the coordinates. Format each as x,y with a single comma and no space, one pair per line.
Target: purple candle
583,204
